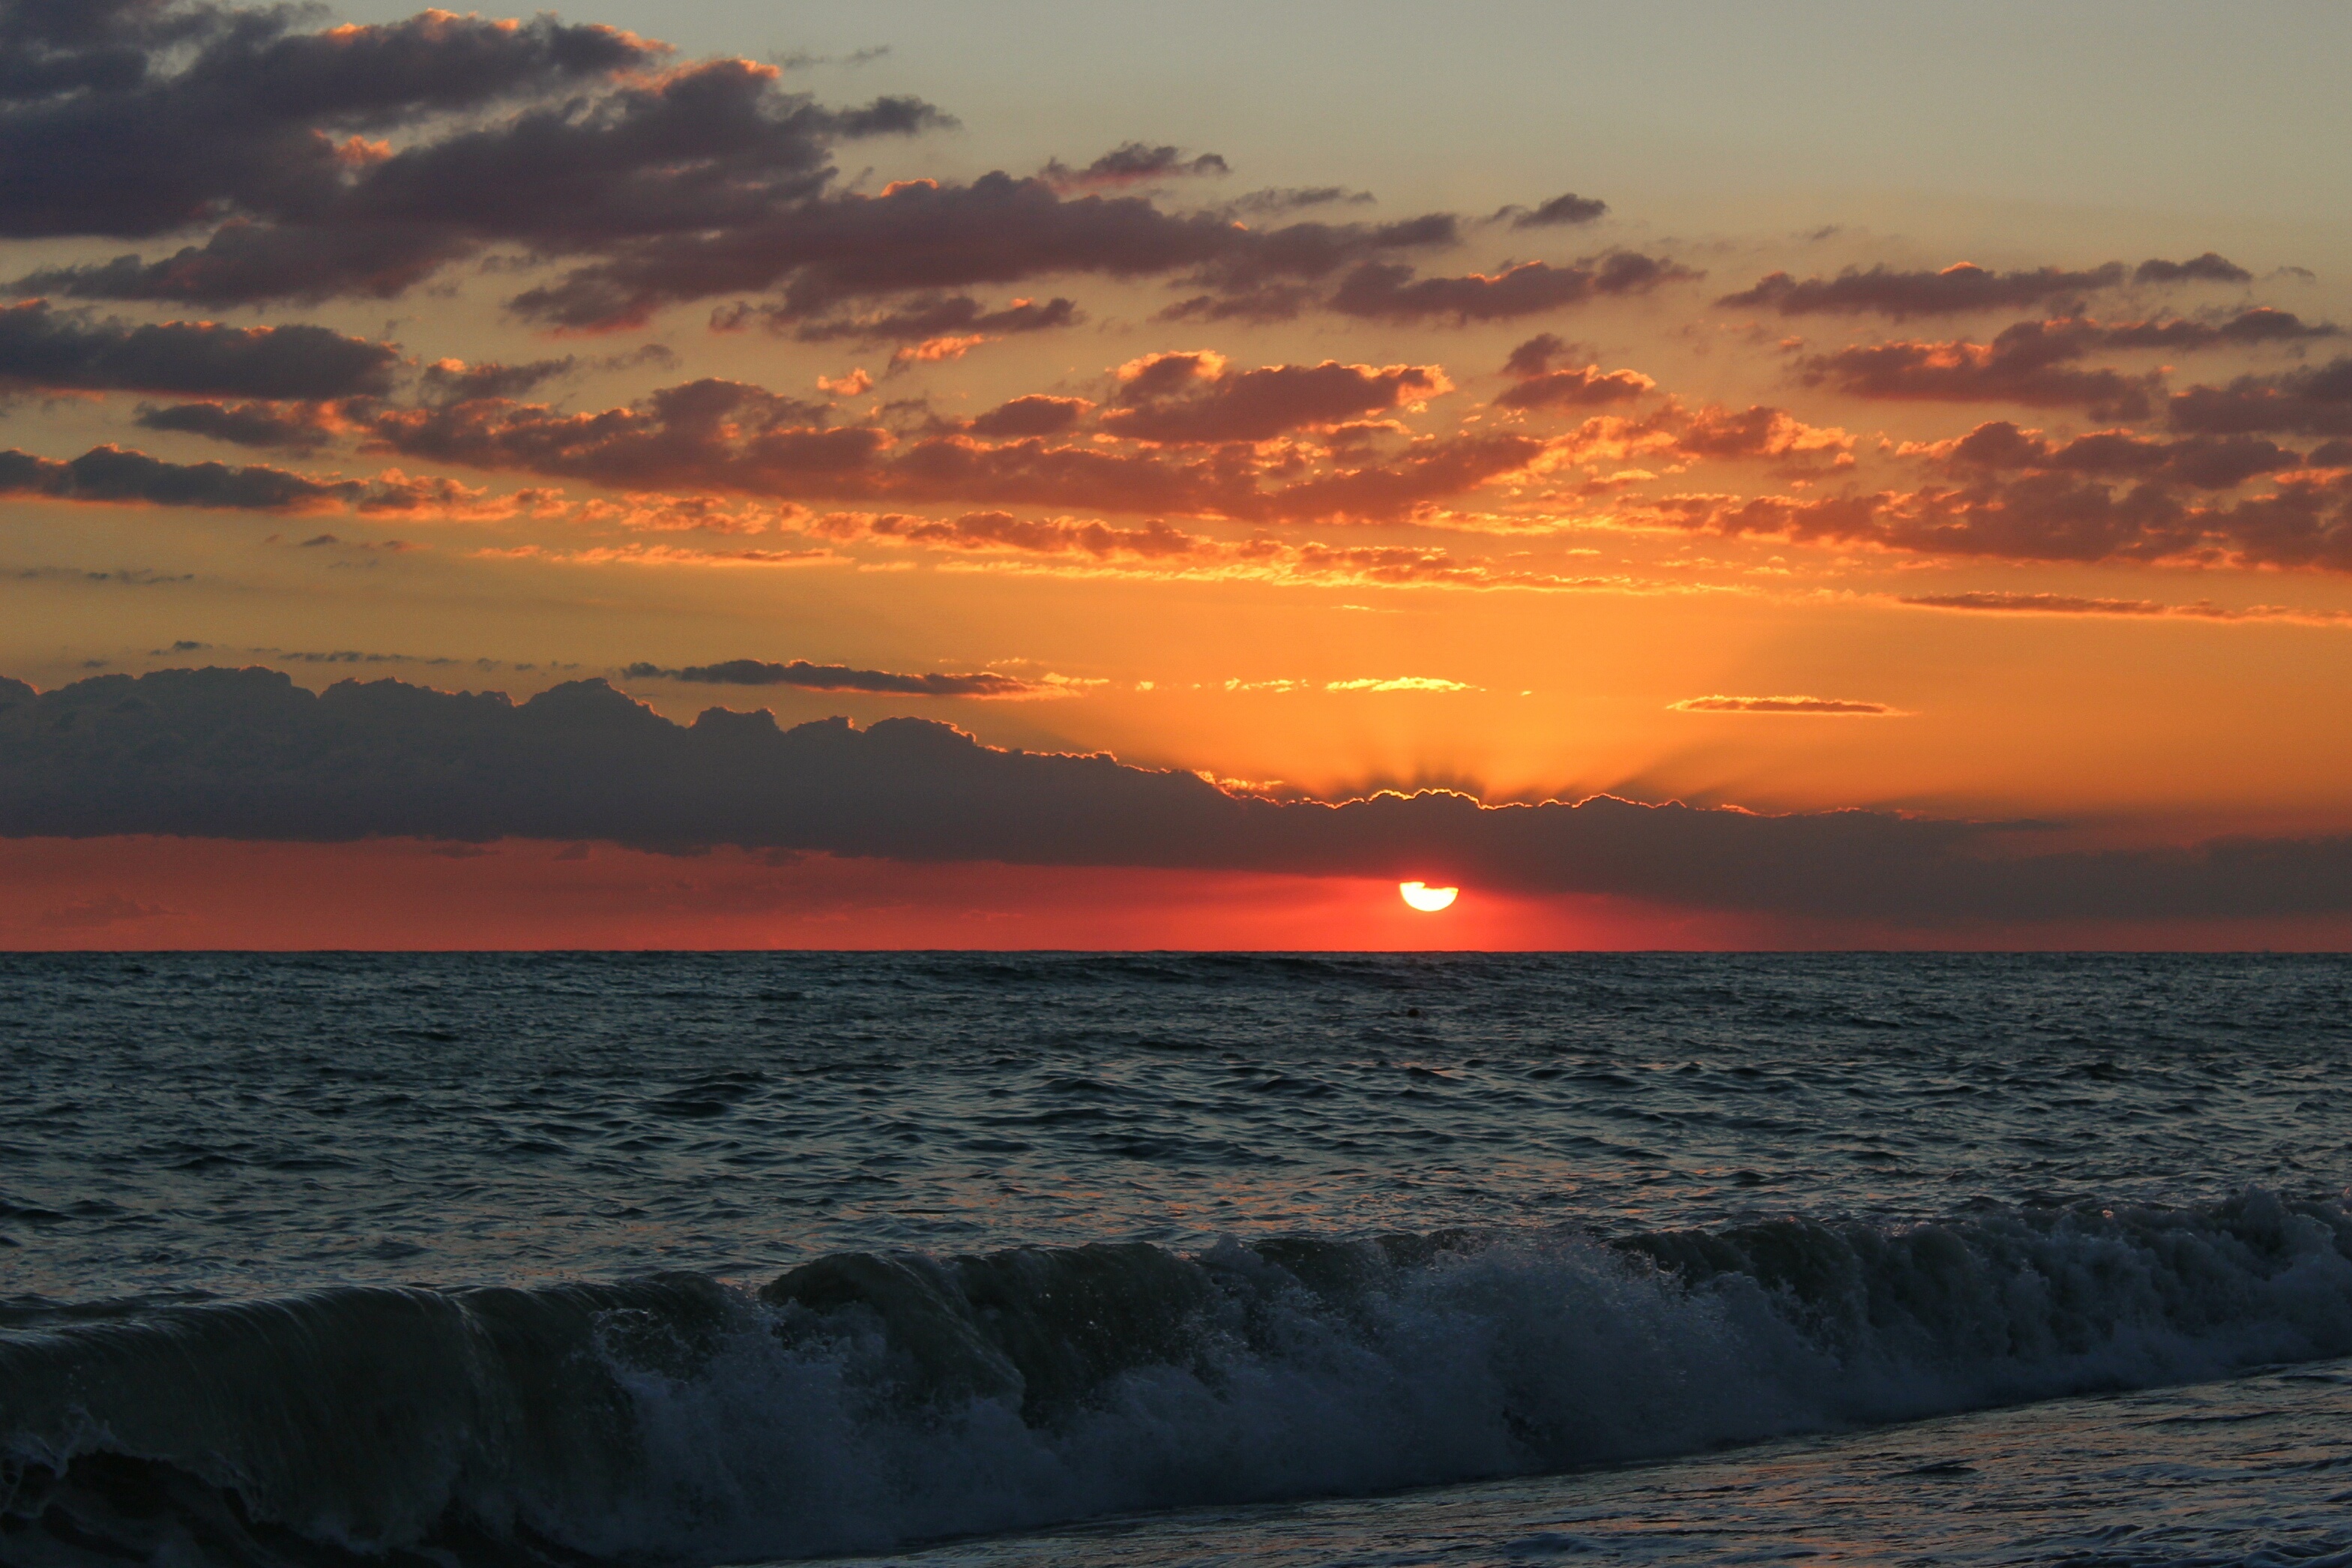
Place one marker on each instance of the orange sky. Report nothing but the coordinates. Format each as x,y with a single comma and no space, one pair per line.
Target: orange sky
1305,460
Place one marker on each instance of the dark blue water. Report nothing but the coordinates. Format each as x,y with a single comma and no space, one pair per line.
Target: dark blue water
712,1257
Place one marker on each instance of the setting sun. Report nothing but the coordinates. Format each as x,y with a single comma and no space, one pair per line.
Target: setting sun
1426,899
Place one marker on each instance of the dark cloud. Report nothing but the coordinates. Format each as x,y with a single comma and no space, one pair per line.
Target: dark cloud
2031,363
1192,398
702,150
1886,291
1036,415
1537,355
245,263
110,475
827,251
2206,268
1570,208
842,677
1585,388
1390,291
1131,163
454,381
127,576
246,754
139,120
2314,401
914,319
69,351
284,426
2258,325
1293,198
2204,462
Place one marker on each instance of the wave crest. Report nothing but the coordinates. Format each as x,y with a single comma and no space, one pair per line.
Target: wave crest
864,1400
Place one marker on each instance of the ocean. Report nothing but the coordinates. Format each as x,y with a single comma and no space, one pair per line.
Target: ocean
1167,1258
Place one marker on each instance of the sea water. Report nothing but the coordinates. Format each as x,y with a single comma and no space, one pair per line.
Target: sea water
1174,1259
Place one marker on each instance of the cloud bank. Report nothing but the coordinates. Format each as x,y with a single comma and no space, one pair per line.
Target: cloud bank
247,754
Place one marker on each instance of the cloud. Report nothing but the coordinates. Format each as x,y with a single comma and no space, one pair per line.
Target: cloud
1034,414
1886,291
1587,388
1537,355
1157,549
1388,291
1001,530
912,320
622,161
732,437
1570,208
1995,602
2206,268
2206,462
454,381
1292,198
1759,431
1193,398
2028,364
2314,401
114,475
110,474
1399,683
246,754
842,677
134,119
69,351
125,576
2305,520
2260,324
291,427
1131,163
1822,706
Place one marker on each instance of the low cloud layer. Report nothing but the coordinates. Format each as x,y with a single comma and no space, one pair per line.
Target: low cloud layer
809,677
247,754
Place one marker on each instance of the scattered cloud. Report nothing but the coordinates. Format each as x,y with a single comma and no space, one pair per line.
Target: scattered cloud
1561,210
1961,286
986,683
2206,268
1828,707
1133,163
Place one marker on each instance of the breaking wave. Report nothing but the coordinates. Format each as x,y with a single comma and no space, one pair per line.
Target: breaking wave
863,1401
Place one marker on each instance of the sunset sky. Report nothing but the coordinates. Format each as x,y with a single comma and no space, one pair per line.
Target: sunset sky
1917,440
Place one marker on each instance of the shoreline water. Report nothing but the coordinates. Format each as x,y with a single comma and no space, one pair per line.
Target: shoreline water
914,1247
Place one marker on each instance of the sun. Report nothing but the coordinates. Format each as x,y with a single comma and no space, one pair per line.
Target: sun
1426,899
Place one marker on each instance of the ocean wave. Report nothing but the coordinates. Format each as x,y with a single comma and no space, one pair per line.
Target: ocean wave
864,1400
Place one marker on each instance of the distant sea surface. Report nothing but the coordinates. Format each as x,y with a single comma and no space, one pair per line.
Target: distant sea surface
679,1258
